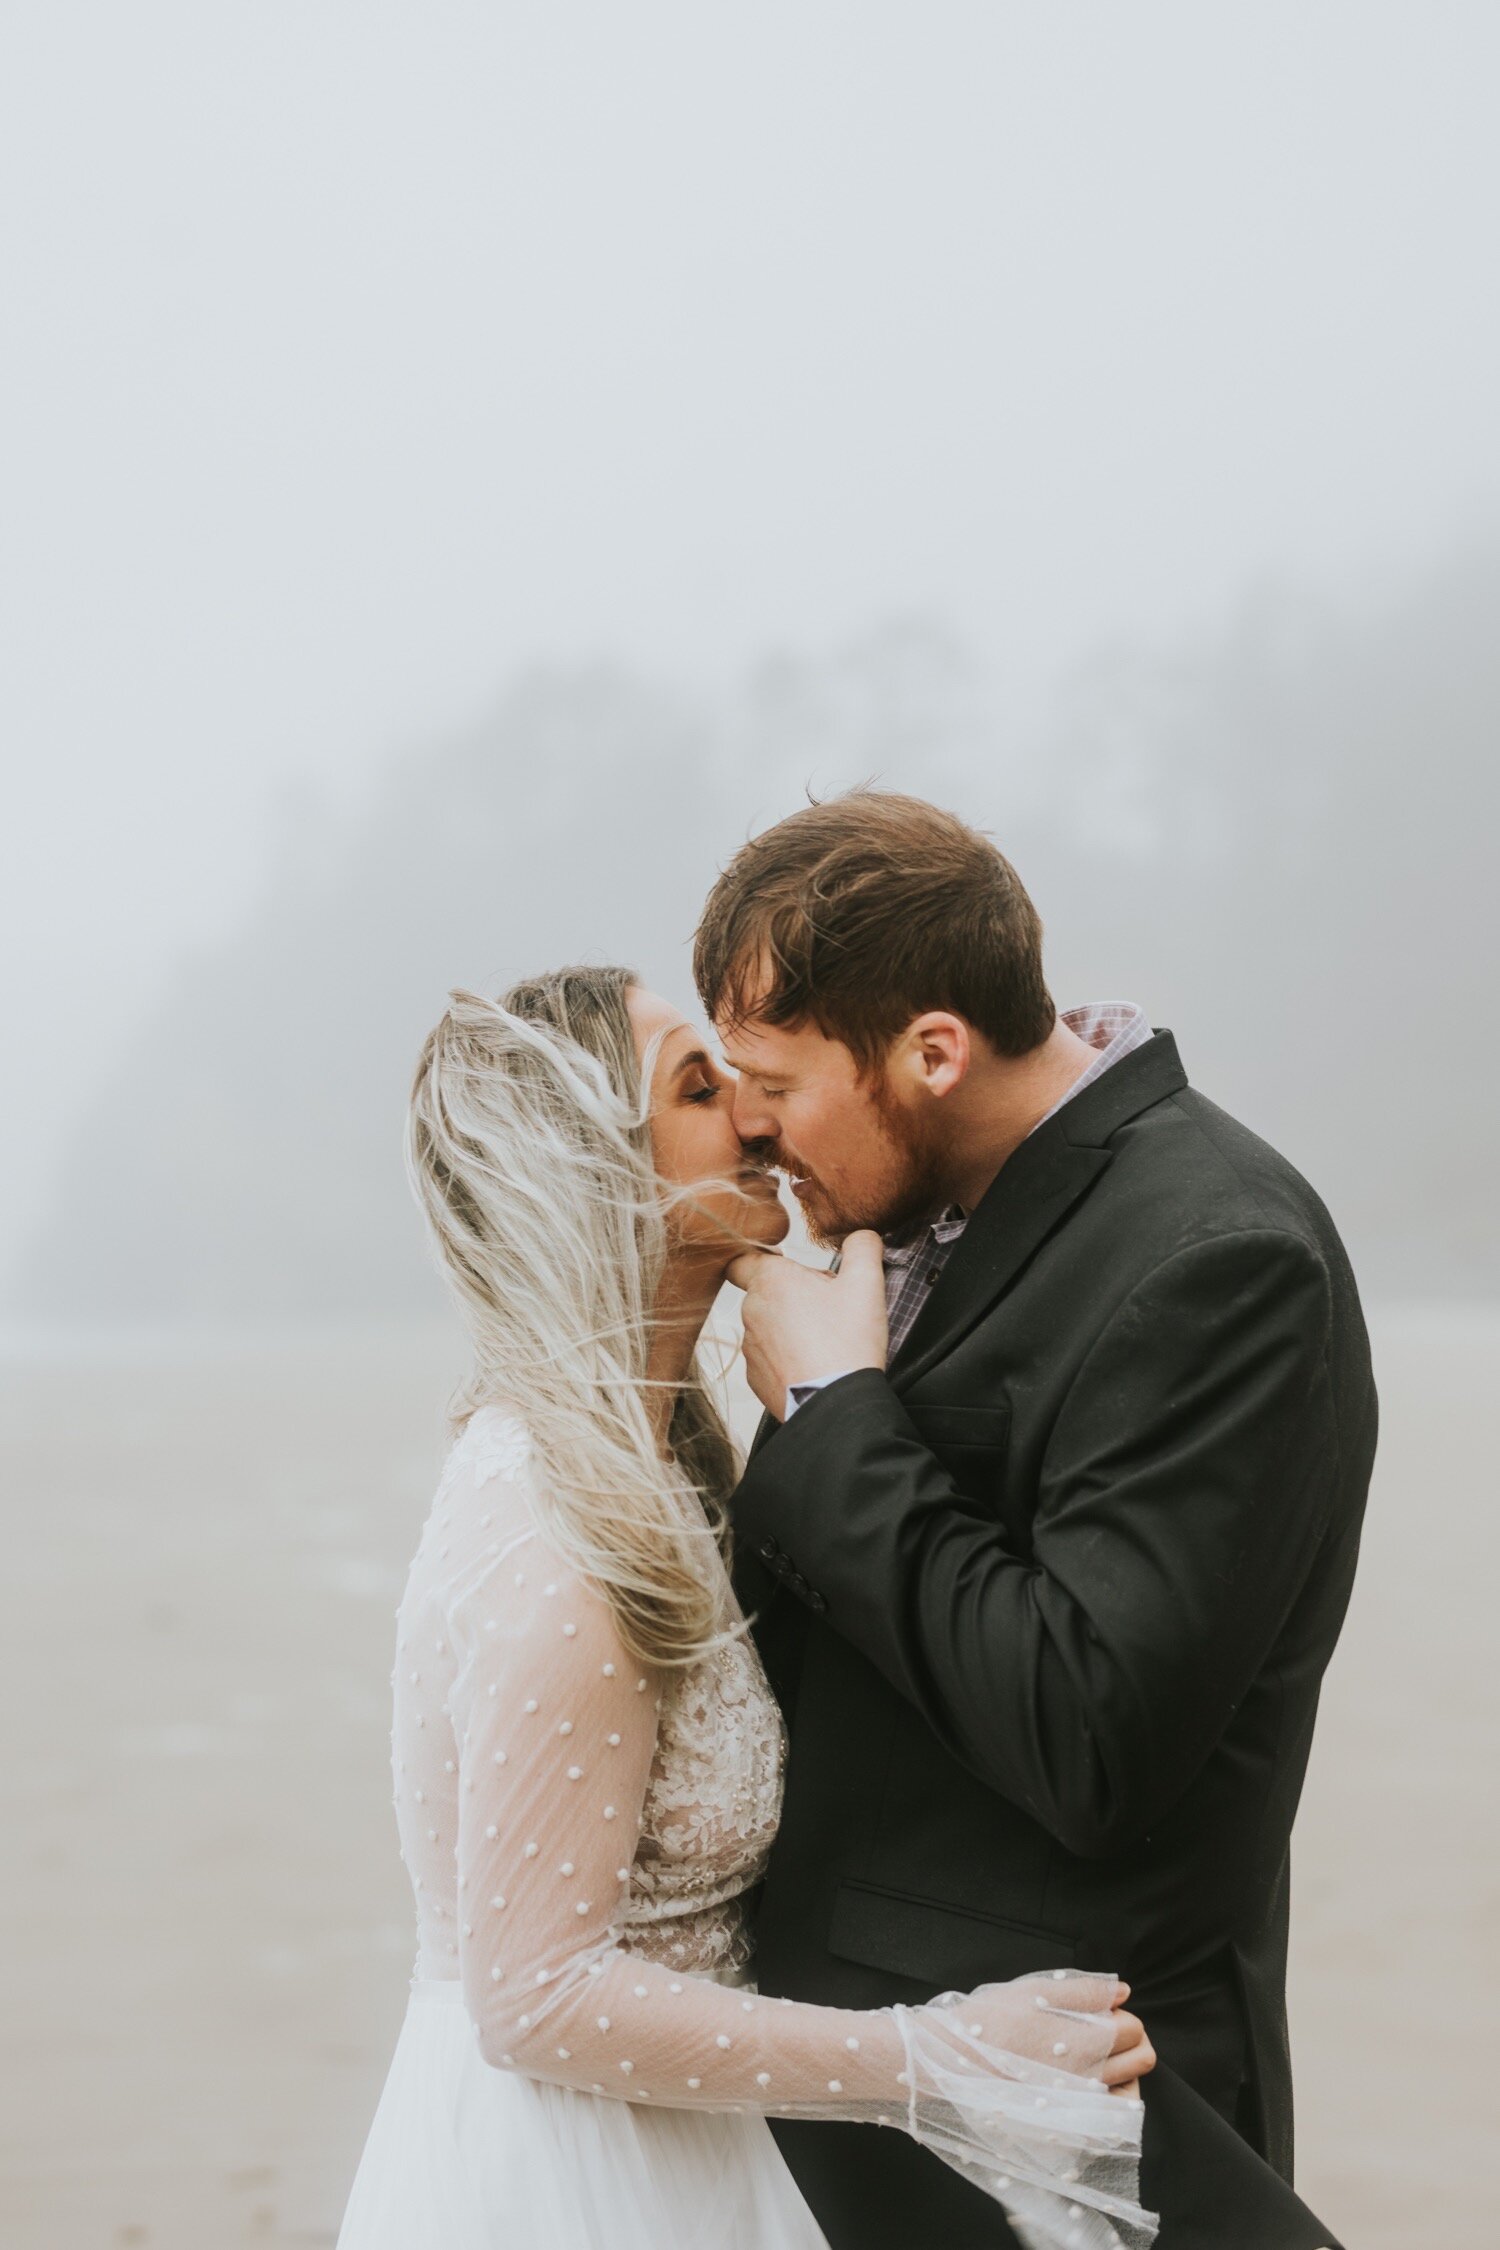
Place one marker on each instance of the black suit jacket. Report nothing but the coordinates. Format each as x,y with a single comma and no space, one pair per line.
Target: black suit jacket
1047,1605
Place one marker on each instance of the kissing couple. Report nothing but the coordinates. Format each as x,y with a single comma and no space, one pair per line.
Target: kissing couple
881,1845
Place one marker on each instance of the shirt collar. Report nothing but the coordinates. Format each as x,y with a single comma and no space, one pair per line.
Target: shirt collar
903,1244
1113,1027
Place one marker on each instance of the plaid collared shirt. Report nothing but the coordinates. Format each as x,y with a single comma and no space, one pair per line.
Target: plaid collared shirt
917,1255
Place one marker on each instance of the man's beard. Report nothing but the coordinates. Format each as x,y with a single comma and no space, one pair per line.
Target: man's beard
912,1184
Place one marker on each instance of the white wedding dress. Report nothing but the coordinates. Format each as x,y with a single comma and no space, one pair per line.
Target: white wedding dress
584,2063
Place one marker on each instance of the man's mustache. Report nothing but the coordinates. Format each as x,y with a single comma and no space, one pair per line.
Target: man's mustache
772,1158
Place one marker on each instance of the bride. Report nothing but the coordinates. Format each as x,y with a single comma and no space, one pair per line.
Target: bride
587,1759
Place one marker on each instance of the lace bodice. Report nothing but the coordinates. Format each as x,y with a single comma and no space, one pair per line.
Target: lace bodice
580,1831
712,1804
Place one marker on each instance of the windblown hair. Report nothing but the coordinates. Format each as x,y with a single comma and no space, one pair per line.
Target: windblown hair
865,910
529,1151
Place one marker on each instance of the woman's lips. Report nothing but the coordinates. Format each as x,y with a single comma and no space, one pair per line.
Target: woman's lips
756,1176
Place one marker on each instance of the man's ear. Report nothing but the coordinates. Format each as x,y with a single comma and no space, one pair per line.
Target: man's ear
941,1046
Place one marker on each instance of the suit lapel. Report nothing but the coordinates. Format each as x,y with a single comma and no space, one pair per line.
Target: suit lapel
1031,1196
765,1428
755,1589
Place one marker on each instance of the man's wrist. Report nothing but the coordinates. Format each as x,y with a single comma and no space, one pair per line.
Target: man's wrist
798,1394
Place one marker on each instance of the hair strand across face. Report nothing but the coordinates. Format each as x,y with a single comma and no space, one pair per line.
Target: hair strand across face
529,1153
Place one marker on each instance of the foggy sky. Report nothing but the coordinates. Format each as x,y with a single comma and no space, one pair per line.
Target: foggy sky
359,357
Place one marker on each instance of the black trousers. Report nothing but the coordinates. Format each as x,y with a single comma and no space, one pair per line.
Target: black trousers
874,2190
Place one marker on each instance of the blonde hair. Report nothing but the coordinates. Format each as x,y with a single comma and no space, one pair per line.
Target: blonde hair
529,1152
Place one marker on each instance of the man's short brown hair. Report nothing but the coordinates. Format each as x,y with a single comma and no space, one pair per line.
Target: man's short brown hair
864,911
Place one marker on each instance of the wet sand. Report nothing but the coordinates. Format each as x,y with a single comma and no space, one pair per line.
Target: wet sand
210,1934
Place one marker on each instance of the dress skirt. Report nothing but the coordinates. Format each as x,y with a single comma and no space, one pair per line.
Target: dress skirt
465,2157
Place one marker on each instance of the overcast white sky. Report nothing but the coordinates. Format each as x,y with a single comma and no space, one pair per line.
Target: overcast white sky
356,354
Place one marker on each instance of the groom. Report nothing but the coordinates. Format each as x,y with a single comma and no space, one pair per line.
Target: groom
1051,1524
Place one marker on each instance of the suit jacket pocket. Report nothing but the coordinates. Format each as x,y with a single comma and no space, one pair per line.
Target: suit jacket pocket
945,1948
971,1442
957,1428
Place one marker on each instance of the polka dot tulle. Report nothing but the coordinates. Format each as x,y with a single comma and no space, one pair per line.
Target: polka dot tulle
580,1832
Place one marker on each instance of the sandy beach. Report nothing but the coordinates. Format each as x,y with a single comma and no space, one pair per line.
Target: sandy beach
210,1938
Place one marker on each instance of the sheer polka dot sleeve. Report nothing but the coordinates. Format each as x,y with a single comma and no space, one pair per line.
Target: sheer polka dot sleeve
555,1729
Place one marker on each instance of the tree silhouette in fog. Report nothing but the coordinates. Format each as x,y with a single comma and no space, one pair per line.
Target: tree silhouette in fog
1278,839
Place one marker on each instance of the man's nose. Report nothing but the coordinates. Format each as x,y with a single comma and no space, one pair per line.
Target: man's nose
755,1128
